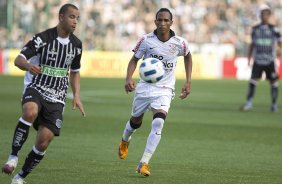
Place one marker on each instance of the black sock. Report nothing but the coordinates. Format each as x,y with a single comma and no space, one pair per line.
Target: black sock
251,91
20,136
274,94
31,161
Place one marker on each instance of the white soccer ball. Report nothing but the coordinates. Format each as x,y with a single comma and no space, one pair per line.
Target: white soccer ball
151,70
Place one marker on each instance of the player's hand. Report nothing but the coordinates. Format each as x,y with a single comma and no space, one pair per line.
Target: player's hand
34,69
185,91
129,85
76,102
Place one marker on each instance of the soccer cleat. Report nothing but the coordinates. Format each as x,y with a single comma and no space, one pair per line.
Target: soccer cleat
273,108
123,149
10,165
18,180
143,169
247,107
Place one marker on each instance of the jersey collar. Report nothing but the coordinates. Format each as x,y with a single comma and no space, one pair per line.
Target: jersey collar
171,33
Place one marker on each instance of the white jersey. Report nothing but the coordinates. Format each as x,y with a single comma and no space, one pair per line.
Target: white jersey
151,47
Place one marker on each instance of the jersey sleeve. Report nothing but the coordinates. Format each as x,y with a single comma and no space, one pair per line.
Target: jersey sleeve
140,48
32,47
184,48
75,66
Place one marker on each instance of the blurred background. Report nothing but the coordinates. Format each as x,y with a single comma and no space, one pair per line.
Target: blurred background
218,31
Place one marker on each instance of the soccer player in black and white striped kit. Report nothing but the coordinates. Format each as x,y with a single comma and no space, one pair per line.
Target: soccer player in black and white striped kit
264,39
56,53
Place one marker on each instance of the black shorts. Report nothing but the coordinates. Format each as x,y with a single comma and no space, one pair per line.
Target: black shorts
269,70
50,115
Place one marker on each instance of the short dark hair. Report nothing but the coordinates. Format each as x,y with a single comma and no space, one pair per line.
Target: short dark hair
164,10
65,7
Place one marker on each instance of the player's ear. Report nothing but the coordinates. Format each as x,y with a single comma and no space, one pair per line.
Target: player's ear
61,17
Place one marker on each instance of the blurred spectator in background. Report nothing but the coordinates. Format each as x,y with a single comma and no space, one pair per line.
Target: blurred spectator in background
117,24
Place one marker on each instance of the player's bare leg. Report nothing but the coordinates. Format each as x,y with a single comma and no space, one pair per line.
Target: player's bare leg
43,139
152,141
30,111
130,128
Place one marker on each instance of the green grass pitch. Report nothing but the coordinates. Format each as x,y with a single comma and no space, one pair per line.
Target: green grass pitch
206,139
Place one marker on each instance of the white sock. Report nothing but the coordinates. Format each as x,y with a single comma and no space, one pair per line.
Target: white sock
146,157
128,131
153,139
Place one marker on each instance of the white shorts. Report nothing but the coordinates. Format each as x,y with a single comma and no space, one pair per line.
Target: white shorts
148,96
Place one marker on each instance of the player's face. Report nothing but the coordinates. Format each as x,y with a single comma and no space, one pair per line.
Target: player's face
265,15
163,22
70,19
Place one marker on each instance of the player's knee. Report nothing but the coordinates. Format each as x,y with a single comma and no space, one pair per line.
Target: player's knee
158,123
29,112
29,115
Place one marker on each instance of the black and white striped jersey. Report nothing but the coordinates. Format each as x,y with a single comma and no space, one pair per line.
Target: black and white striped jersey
264,38
56,56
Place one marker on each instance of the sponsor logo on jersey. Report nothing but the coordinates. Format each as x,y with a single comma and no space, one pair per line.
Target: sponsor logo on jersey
167,65
264,41
156,56
50,92
54,72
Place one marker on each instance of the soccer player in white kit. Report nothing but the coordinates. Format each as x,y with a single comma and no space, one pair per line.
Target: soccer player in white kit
165,46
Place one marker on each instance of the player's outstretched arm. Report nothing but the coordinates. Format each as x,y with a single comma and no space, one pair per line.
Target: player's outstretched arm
75,86
129,83
185,91
22,64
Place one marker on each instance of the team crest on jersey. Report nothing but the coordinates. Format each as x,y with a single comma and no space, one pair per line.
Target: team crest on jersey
172,48
69,57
